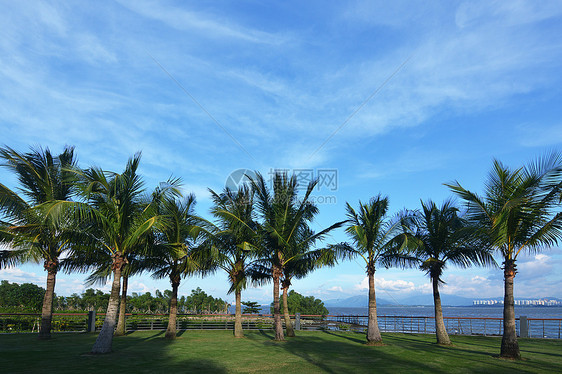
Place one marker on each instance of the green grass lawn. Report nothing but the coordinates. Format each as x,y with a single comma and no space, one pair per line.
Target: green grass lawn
309,352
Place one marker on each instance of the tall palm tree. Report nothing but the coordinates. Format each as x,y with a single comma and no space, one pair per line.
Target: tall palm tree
443,237
100,262
516,214
231,243
285,216
31,235
118,222
172,255
377,240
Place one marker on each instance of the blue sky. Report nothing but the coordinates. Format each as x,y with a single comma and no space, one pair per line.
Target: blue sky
398,97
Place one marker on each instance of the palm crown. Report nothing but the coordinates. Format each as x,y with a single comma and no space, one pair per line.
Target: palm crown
517,211
43,178
375,238
444,237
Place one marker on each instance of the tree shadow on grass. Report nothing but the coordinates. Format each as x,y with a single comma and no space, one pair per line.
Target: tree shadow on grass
150,352
180,333
152,336
477,351
348,335
524,351
334,353
140,352
417,343
265,334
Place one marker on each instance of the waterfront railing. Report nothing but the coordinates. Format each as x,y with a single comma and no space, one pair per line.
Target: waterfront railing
550,328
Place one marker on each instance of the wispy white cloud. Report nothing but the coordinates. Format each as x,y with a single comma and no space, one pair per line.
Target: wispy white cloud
539,135
513,13
209,25
140,287
411,160
387,285
471,286
335,289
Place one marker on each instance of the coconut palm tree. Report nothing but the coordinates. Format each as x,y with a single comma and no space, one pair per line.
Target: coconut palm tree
232,243
32,237
377,240
100,262
285,216
442,237
172,254
518,213
117,220
301,262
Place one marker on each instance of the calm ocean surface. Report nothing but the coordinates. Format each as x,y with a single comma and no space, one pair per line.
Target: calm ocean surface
448,311
452,311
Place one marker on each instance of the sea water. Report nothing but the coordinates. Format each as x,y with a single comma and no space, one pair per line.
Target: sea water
452,311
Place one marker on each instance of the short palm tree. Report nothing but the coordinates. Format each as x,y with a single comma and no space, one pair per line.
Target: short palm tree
519,212
377,240
31,235
285,216
442,237
301,262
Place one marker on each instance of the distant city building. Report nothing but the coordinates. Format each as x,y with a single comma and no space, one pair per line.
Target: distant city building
541,302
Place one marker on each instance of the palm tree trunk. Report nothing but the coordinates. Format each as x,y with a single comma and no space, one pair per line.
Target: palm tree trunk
105,338
121,325
276,312
288,324
509,347
373,333
440,330
47,310
171,330
238,332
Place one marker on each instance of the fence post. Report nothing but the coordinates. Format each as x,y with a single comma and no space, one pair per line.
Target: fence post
297,321
91,327
523,327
